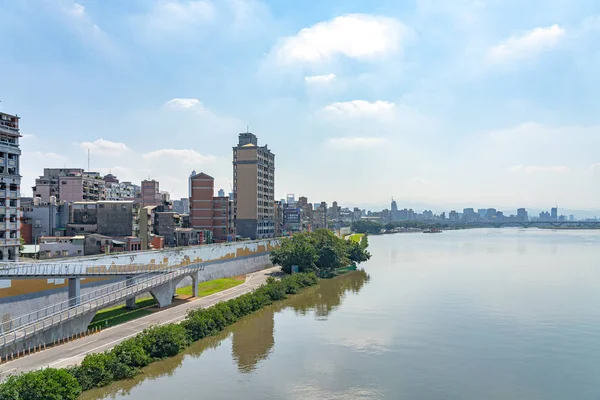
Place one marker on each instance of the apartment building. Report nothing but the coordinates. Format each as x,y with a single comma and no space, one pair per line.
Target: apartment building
253,188
10,186
69,185
209,212
117,191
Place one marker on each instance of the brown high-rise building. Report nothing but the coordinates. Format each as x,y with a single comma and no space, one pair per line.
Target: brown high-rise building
208,212
150,194
253,188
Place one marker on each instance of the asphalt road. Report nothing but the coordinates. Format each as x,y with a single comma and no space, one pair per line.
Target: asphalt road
72,353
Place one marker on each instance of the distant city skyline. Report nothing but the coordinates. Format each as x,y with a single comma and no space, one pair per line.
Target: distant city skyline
451,103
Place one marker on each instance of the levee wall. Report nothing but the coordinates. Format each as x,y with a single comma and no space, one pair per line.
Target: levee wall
18,297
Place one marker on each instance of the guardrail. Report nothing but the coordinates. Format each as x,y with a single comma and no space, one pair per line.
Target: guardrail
13,270
98,303
28,318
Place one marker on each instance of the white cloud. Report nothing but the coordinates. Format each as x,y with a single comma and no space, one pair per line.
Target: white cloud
528,45
360,108
106,147
319,79
357,36
185,156
76,10
175,16
356,142
533,169
184,104
595,170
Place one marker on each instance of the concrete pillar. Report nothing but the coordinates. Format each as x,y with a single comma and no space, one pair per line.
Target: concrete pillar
195,280
74,291
129,303
164,293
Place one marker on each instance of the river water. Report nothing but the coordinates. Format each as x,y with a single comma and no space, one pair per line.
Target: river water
473,314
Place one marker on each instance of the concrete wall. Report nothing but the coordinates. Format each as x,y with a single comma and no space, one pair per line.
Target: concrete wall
37,292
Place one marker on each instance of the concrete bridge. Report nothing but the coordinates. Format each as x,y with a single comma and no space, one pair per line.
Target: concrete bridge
65,319
157,273
526,224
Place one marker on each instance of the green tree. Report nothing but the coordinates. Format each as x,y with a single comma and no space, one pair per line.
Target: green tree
363,226
297,250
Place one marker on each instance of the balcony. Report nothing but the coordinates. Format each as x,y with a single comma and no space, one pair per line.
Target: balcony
11,226
12,194
12,241
2,193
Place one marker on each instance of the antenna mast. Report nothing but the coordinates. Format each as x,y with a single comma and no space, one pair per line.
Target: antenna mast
88,160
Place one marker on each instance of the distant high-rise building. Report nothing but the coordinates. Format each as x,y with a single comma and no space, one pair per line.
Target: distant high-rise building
221,193
522,215
253,188
571,217
290,199
554,213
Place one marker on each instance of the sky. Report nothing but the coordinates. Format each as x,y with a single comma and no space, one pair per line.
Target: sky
453,103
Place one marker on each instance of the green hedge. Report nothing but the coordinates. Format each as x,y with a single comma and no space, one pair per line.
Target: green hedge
156,343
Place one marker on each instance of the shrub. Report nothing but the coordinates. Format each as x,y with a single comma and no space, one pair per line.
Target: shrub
132,353
164,341
45,384
96,370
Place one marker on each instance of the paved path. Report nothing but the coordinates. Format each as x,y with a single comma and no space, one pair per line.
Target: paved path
73,353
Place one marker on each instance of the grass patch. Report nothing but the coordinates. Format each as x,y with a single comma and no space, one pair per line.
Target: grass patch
119,314
357,237
212,287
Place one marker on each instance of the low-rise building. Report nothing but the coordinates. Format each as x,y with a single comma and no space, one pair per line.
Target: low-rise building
60,246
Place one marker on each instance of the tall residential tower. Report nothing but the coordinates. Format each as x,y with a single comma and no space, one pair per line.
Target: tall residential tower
253,188
10,185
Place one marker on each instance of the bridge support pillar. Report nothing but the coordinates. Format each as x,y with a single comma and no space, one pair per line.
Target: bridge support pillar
164,293
74,291
195,280
129,303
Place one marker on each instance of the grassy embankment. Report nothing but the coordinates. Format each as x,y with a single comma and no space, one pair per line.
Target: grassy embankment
119,314
356,237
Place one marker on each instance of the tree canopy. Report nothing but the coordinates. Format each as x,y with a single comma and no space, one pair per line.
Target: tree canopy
320,251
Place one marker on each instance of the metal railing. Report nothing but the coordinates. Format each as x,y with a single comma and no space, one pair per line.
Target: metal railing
28,318
10,270
97,303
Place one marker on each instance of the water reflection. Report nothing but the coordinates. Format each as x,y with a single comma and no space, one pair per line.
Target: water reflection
252,338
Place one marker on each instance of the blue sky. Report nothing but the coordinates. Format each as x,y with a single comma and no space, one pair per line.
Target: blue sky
444,102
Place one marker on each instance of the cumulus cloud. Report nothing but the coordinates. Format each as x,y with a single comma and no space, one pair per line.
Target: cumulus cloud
357,36
355,142
319,79
106,147
76,10
533,169
185,156
528,45
360,108
184,104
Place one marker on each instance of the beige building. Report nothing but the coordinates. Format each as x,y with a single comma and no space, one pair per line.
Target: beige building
253,188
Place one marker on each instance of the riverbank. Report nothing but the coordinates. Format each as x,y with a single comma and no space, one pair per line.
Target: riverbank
125,360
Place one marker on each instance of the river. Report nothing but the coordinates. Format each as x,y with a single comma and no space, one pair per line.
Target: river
472,314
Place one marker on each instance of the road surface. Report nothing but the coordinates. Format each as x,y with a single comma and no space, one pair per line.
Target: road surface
72,353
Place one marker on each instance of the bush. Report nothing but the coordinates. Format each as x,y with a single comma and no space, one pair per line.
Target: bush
96,370
163,341
45,384
132,353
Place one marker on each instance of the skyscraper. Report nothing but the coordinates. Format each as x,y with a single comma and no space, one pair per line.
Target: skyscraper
10,185
253,188
554,213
